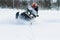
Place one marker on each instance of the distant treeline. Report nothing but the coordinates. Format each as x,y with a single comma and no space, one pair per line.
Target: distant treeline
24,4
12,4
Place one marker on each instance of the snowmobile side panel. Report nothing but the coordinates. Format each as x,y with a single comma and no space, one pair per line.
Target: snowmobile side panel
25,16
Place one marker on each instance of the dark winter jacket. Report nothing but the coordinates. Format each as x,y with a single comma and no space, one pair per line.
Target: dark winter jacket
36,8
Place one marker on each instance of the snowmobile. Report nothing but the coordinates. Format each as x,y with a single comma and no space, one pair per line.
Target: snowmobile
29,14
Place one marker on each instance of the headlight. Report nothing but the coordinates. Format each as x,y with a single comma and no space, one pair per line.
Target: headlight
31,15
28,12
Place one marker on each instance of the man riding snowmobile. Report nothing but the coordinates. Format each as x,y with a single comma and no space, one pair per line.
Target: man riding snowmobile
34,7
30,13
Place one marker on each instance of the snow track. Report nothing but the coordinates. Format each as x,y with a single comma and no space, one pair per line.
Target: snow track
45,27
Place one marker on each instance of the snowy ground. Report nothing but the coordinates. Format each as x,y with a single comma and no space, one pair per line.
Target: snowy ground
46,27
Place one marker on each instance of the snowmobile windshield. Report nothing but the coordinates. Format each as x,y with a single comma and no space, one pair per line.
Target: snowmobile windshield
32,11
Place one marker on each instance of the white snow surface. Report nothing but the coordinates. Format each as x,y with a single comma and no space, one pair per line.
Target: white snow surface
45,27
